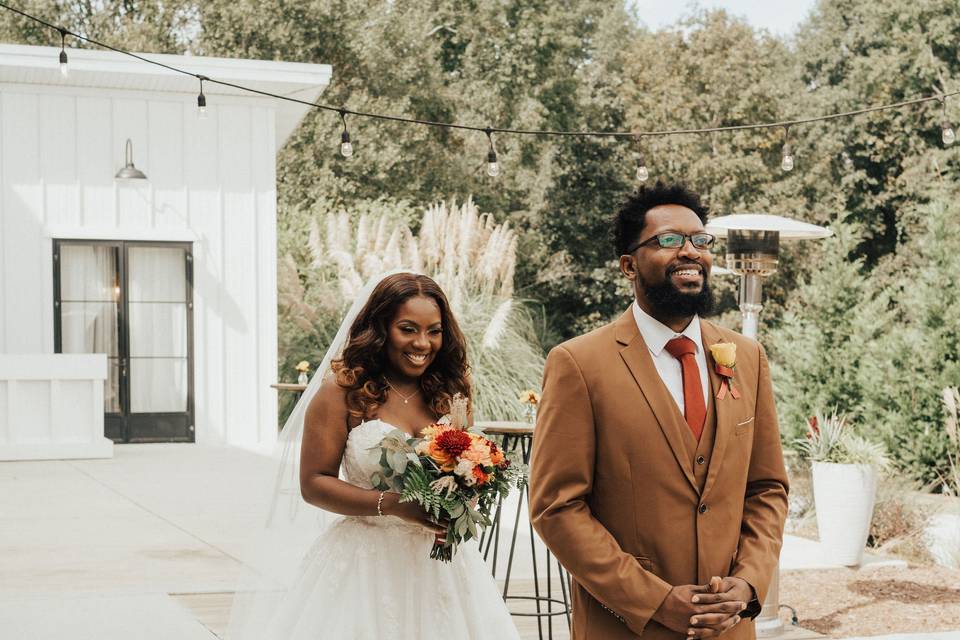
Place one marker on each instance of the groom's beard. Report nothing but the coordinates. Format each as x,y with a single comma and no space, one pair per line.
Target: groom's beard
669,302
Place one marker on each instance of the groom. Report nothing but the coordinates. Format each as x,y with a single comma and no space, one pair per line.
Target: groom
657,477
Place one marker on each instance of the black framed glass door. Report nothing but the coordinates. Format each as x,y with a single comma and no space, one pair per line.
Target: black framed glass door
132,301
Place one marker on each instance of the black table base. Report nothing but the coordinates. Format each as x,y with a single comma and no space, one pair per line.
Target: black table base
548,604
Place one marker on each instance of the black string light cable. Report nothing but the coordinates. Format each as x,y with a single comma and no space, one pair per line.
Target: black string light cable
493,167
786,163
201,100
64,71
642,173
946,129
947,132
346,147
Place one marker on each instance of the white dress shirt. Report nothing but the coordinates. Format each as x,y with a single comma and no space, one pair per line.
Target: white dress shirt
656,335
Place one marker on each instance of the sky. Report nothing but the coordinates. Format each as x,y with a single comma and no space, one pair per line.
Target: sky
781,17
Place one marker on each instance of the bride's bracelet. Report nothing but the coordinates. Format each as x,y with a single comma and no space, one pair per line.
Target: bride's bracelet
380,503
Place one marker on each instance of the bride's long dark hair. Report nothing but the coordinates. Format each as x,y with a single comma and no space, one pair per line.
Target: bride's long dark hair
361,368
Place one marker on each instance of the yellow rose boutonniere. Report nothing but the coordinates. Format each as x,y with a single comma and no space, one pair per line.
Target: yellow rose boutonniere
724,361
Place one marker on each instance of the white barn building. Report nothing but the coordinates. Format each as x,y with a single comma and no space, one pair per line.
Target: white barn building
139,310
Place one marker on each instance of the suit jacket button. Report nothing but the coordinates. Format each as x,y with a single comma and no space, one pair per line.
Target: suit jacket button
701,459
703,508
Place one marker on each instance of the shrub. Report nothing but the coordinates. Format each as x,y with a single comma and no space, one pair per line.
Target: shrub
899,520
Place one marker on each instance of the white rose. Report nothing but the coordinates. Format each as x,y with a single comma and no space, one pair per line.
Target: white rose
464,469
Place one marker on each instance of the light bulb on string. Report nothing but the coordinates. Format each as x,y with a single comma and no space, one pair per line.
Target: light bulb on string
346,147
642,173
947,134
493,167
201,102
786,163
64,70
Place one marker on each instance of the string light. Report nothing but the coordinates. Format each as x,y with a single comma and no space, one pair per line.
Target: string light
642,172
64,71
787,162
948,134
346,148
946,130
493,167
201,101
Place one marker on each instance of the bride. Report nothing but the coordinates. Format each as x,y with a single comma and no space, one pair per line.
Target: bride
397,361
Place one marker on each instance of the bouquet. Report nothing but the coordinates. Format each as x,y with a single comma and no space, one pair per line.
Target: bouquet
456,474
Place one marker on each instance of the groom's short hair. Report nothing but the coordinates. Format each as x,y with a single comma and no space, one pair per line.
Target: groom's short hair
629,220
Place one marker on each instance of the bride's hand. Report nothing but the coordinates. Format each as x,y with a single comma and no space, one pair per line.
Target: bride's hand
412,512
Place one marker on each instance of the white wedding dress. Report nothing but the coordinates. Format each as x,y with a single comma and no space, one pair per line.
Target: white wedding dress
371,578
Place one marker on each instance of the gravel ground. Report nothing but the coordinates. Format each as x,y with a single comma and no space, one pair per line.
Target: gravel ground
841,603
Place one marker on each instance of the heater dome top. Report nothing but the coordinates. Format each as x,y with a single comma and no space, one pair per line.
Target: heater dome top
789,228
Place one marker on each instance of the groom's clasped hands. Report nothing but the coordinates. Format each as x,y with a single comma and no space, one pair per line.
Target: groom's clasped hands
704,611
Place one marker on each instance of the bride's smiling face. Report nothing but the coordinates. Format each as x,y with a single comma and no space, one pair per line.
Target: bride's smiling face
414,336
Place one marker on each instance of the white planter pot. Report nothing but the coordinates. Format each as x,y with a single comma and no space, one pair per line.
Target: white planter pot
844,495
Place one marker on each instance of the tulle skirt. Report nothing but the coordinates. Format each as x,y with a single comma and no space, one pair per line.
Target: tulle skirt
373,578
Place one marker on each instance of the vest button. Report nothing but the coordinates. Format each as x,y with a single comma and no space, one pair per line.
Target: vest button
701,459
703,508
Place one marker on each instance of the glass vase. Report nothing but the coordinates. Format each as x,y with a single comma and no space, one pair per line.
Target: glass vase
530,413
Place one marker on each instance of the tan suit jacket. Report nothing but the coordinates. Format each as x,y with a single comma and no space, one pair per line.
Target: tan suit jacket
616,492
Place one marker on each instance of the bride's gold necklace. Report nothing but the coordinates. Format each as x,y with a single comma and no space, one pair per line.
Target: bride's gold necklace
405,399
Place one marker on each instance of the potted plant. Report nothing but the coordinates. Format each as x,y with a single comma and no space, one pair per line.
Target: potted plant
845,467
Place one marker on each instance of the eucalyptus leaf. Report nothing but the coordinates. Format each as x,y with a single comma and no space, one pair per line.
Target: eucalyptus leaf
398,461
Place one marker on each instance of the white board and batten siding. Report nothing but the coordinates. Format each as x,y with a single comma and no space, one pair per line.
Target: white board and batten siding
210,182
51,406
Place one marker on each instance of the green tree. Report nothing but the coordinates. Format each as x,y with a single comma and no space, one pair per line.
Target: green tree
854,53
157,27
525,65
830,327
919,354
712,70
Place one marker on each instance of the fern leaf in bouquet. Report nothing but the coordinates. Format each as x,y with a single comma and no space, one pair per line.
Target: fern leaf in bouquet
455,474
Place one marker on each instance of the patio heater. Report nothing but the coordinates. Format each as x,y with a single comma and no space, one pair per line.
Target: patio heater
753,252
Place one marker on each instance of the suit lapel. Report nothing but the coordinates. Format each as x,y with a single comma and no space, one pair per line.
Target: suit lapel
637,357
710,335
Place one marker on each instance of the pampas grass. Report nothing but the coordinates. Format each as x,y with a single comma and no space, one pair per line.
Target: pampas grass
469,255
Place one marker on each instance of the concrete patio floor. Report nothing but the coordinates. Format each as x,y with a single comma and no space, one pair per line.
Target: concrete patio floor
99,548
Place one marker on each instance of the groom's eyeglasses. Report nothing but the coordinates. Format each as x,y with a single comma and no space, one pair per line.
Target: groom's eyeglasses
673,240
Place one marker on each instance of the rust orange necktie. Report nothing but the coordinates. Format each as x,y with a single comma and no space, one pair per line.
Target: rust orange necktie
694,409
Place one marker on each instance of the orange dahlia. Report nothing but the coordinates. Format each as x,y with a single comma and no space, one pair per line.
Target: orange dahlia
453,442
496,456
447,446
480,474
